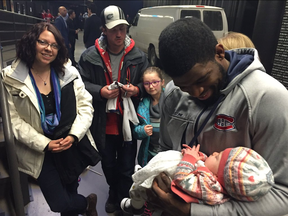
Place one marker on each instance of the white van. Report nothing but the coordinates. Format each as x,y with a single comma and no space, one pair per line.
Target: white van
149,23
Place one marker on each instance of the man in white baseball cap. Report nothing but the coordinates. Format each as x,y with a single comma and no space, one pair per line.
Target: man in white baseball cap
112,16
113,58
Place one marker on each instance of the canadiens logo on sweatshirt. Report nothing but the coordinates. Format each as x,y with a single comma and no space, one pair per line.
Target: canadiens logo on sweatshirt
224,122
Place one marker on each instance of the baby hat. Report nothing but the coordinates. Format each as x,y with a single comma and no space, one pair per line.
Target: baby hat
244,174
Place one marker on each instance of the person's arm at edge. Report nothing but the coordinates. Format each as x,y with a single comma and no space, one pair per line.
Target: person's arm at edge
70,27
138,130
86,69
23,131
84,109
58,25
86,31
145,64
164,139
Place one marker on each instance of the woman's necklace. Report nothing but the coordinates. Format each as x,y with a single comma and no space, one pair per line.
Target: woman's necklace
45,83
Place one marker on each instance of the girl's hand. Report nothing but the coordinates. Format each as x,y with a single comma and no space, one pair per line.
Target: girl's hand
148,129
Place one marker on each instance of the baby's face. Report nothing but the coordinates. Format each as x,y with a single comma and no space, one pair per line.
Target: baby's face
213,161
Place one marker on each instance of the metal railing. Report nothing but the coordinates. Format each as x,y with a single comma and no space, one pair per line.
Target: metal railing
12,28
10,149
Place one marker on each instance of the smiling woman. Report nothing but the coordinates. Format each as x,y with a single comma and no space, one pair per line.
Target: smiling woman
26,46
41,84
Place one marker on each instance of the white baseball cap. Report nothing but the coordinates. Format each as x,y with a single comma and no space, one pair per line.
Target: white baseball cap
112,16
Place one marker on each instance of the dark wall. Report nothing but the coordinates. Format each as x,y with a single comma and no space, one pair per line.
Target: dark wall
35,7
241,15
259,19
280,66
129,7
267,29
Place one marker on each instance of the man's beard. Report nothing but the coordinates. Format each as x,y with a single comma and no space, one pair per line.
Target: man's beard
216,89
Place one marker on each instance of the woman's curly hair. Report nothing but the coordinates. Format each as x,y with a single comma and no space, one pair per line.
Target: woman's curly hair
26,47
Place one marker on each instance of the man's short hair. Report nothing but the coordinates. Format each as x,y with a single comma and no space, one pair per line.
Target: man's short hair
70,12
92,7
60,8
184,43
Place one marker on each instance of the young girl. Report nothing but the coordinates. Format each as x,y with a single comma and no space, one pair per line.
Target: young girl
149,115
235,40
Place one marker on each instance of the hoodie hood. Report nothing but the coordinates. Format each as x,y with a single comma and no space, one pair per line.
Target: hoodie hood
101,43
242,62
19,72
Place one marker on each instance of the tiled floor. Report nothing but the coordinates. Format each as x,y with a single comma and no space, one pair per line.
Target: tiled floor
90,181
79,46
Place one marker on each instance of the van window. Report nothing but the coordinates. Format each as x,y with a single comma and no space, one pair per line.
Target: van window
190,13
135,20
213,19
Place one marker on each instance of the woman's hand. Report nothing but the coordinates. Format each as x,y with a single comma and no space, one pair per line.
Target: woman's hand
60,144
54,144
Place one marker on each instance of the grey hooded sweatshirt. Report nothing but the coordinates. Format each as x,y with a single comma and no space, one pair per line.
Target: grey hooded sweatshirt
253,114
